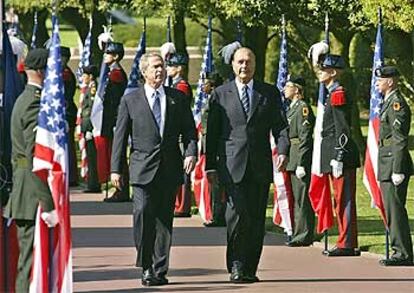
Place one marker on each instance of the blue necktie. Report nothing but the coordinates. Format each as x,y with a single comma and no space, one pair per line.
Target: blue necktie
156,108
245,100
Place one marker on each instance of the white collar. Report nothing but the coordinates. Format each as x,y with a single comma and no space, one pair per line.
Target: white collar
149,90
241,85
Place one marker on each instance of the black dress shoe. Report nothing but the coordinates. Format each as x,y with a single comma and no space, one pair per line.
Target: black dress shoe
162,280
336,251
91,191
214,224
236,275
396,262
148,278
298,244
251,278
118,196
182,215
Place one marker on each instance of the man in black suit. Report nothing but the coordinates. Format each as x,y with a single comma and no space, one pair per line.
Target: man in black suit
155,116
242,114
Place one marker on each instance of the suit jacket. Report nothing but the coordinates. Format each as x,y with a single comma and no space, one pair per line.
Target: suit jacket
234,140
301,122
150,152
70,89
28,190
393,155
337,142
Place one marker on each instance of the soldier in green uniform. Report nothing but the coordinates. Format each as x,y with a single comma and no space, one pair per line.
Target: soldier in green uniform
28,190
90,73
301,122
218,200
394,165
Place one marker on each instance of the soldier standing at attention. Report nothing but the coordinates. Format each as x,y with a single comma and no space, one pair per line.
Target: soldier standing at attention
395,165
90,73
301,122
71,110
340,154
176,66
114,52
28,189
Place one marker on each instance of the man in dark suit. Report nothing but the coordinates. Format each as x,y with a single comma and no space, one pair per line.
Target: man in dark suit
155,116
242,114
395,165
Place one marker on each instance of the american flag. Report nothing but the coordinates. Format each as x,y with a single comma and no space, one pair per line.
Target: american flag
50,163
371,154
33,43
135,74
319,190
201,186
282,197
85,59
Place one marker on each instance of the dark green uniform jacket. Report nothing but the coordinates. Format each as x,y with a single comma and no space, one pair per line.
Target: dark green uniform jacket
28,190
301,122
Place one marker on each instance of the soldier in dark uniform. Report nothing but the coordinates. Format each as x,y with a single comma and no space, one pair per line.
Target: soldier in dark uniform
395,165
90,73
301,122
339,154
176,66
117,82
28,189
71,110
217,195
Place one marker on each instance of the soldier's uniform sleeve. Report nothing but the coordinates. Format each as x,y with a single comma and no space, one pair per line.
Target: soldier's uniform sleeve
118,81
341,109
70,89
400,115
213,133
306,123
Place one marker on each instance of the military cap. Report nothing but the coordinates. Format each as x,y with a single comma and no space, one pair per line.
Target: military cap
115,48
386,71
36,59
177,59
332,61
91,69
65,51
297,81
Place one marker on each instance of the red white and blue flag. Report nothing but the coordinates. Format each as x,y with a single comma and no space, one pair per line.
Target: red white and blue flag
85,59
202,191
52,255
282,196
370,178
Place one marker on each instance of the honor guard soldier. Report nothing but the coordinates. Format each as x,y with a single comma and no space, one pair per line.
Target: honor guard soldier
117,82
28,189
71,110
89,76
176,66
340,156
395,165
301,122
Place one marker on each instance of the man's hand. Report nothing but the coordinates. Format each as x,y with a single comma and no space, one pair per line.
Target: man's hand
88,135
337,168
51,218
189,164
397,179
300,172
281,162
212,177
116,180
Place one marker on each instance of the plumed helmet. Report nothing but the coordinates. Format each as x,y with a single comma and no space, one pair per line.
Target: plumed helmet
227,52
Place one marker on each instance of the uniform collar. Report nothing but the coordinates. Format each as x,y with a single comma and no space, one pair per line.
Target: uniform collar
386,97
333,87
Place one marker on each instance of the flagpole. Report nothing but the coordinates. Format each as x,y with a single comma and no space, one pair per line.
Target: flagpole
169,38
322,89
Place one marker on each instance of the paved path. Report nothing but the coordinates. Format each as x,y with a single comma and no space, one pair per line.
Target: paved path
104,255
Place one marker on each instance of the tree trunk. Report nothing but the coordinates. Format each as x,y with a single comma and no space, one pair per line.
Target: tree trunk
180,41
256,39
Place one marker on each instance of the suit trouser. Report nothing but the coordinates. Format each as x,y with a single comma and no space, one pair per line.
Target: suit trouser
92,180
245,217
344,189
25,235
183,197
153,211
304,217
73,161
218,202
394,198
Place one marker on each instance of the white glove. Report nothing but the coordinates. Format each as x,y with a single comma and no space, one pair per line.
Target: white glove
51,219
300,172
397,179
88,135
337,168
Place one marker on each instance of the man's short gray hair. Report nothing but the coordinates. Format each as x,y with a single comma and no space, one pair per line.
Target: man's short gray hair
143,63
